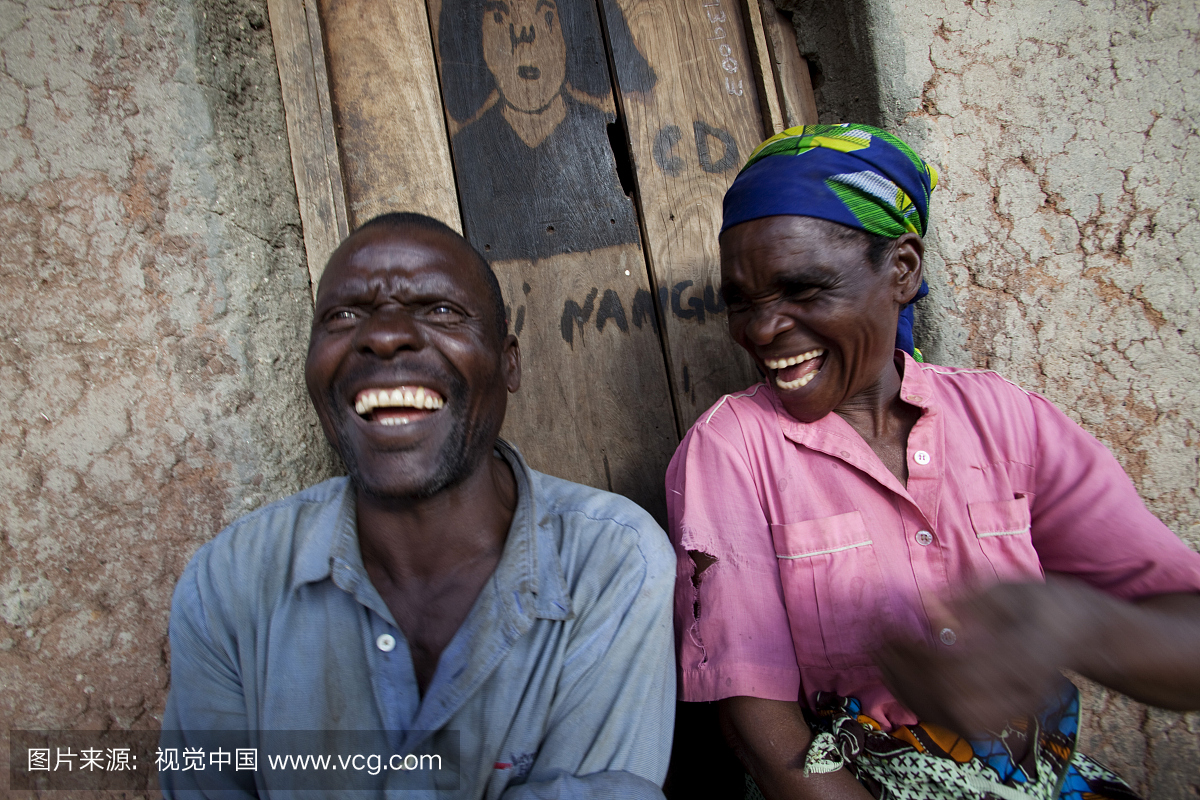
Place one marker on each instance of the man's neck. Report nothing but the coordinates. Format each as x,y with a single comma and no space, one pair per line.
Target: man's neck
430,558
421,538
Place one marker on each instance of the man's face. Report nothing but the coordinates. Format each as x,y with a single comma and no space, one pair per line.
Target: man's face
805,303
524,49
406,367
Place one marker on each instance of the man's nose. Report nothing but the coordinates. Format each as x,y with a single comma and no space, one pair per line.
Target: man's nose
390,329
766,323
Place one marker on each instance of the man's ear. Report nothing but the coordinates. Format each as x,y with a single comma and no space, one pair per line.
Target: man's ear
511,363
906,263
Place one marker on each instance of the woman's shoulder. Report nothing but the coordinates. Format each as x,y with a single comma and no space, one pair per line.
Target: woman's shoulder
736,408
977,385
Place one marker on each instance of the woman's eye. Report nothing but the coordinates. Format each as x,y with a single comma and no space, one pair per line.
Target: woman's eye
498,17
549,19
737,306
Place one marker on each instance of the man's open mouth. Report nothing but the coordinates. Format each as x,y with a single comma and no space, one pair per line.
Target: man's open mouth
397,406
529,73
796,371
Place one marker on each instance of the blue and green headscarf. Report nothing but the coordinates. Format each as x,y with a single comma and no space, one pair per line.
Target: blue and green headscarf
856,175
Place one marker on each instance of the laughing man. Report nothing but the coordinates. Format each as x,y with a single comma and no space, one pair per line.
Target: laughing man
443,585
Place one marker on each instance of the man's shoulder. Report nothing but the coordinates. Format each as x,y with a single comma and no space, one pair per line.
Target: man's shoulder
603,523
263,548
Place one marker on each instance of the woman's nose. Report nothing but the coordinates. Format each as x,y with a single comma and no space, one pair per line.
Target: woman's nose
766,323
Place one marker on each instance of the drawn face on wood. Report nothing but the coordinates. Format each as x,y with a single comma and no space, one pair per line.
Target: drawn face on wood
528,92
525,51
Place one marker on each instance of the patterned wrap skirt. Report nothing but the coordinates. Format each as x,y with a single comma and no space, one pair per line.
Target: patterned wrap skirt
1033,757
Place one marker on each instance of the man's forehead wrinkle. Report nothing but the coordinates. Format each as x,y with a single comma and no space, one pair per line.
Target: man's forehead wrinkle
404,287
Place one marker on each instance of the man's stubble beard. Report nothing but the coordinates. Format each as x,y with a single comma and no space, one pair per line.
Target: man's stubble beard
456,459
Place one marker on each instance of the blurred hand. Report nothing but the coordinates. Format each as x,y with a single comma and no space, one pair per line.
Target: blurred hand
1010,643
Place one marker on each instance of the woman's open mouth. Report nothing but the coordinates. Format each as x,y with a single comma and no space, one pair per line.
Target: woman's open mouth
796,371
528,73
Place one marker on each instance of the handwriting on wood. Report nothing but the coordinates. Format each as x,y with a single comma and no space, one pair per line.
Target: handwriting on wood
699,306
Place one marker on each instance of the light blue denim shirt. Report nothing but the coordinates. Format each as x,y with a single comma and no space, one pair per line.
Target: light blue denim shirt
560,683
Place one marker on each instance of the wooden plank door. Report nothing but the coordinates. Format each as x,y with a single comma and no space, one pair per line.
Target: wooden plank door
389,114
584,147
528,98
689,134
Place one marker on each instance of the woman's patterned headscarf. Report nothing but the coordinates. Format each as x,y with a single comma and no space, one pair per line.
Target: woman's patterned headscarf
856,175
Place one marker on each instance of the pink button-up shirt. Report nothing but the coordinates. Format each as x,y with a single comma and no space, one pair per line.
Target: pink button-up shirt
821,553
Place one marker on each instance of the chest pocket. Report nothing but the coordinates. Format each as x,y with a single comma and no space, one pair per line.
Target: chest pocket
1002,528
833,589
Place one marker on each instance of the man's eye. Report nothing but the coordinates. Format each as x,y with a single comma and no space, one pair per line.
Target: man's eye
550,19
499,17
445,313
341,318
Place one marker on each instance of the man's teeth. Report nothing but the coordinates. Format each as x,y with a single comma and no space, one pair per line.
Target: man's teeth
402,397
780,363
796,384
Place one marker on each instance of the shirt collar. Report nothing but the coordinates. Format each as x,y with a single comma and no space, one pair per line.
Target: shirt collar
833,435
529,575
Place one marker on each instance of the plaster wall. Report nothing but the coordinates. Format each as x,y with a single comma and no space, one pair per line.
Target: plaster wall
1065,244
154,312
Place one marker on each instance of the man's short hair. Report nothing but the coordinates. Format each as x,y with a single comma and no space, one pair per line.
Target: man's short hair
398,220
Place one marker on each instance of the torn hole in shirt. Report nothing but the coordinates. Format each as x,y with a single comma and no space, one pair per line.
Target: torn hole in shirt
701,561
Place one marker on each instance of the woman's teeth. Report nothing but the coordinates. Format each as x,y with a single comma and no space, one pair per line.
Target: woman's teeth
796,384
780,363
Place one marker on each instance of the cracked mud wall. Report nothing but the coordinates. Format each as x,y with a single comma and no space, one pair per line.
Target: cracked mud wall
1065,245
154,312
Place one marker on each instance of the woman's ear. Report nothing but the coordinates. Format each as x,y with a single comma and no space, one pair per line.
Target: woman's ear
906,263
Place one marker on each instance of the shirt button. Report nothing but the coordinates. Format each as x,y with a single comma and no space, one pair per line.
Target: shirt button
386,642
924,538
921,457
948,636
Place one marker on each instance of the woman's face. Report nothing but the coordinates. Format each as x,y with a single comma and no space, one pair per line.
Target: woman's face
523,47
818,319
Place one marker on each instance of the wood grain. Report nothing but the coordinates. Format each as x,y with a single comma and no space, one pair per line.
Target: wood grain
596,409
299,54
763,66
792,80
542,198
389,114
689,135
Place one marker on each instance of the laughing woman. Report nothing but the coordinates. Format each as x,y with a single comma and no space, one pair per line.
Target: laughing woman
877,555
